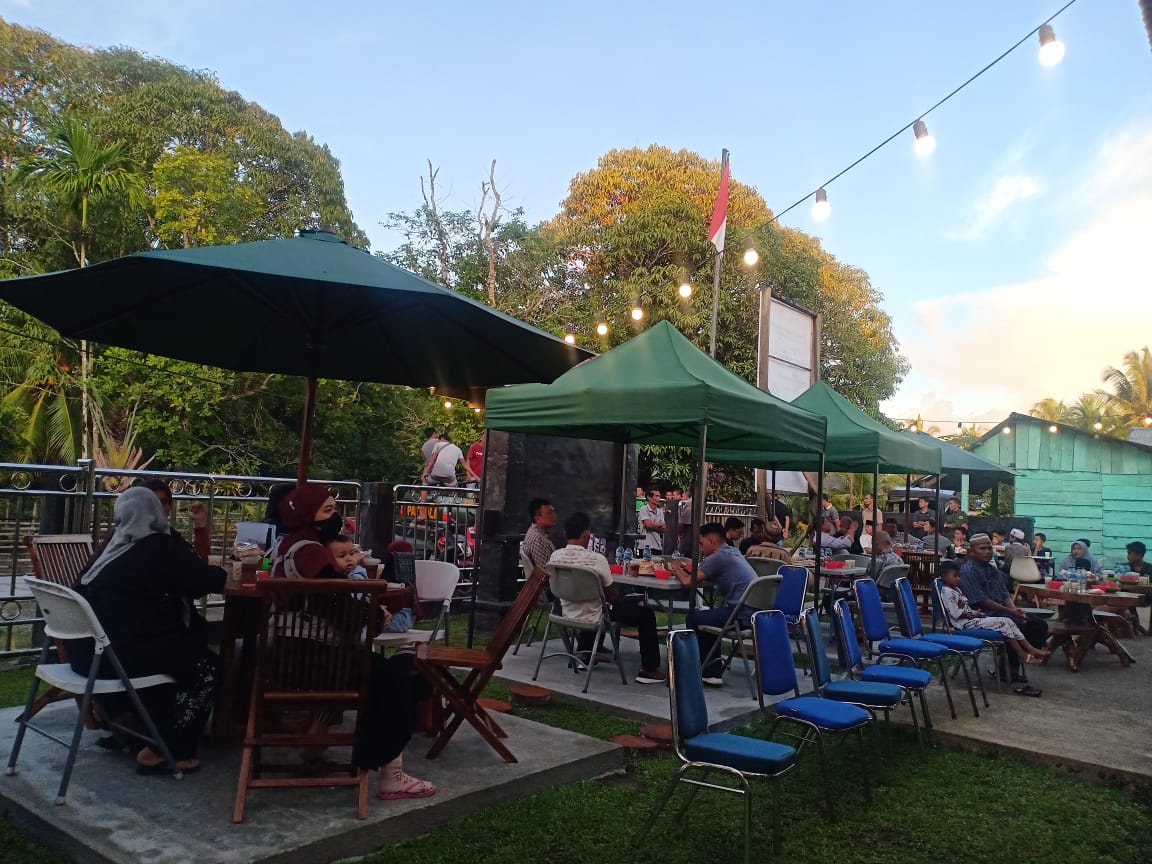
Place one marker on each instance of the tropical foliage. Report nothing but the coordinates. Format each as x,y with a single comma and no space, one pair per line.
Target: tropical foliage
1125,405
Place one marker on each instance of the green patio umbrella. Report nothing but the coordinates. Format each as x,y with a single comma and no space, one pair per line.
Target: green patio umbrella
312,306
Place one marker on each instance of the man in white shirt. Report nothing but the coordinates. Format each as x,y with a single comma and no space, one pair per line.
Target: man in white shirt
652,522
627,611
440,469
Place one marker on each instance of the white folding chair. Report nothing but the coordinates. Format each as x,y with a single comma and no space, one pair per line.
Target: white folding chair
436,582
577,584
67,615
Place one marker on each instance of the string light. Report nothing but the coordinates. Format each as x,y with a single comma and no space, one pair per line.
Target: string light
637,313
477,410
751,256
1053,429
570,338
1148,420
448,404
1051,48
925,143
602,329
685,289
1007,430
1097,425
820,207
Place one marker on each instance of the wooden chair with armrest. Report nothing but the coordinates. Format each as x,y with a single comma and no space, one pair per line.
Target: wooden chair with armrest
313,653
58,558
436,663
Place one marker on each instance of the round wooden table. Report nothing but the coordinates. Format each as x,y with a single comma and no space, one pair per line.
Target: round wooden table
1078,630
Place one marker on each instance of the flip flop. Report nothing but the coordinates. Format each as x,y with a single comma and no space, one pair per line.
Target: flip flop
161,768
415,788
1027,690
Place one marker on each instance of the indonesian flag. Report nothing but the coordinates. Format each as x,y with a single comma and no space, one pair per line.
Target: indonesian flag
719,224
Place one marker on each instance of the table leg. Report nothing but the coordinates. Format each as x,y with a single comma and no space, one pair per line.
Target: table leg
1114,645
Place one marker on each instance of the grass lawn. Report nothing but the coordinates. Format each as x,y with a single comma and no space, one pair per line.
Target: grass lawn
931,805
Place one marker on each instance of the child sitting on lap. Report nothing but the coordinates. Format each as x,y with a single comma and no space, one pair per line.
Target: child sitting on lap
963,616
348,557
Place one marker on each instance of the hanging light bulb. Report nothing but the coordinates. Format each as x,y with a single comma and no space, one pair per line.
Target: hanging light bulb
1053,429
1051,48
602,329
1007,430
685,289
1148,420
925,143
1097,425
751,256
477,410
637,313
448,403
820,207
570,338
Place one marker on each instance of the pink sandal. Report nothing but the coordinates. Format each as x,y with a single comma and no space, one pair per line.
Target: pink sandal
413,788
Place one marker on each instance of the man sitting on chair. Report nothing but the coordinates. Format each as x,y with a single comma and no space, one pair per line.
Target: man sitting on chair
624,610
769,545
730,572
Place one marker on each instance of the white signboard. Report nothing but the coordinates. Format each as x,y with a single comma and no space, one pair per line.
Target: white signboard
791,355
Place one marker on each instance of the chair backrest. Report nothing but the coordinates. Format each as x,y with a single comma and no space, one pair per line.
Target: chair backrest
775,672
1025,569
862,560
891,573
766,566
793,586
436,580
871,609
575,583
845,629
821,670
685,688
513,620
844,556
66,614
907,612
404,568
761,593
59,558
939,613
312,633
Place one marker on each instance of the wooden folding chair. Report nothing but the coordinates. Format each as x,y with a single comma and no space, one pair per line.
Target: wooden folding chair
58,558
435,662
312,654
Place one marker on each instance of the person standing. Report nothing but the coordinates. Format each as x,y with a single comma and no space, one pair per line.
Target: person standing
783,514
630,612
827,511
920,518
954,517
652,522
869,515
440,469
476,457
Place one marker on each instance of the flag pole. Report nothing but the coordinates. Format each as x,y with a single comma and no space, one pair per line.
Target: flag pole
716,232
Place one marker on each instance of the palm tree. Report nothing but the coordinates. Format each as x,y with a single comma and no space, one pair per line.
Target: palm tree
1051,410
1131,395
75,169
1092,412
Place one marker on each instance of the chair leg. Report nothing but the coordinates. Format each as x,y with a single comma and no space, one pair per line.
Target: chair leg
661,803
74,746
614,632
777,840
947,689
157,739
23,719
979,677
543,646
592,655
747,821
824,776
968,682
362,796
863,763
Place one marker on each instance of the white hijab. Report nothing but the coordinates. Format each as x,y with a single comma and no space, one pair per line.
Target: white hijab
138,513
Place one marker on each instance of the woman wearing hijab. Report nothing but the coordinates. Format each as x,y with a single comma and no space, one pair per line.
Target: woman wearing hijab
1081,558
309,514
141,589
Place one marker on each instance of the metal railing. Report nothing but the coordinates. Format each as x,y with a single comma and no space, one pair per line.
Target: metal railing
79,499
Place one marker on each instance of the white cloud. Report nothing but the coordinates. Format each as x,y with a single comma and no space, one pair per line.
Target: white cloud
1008,190
1015,344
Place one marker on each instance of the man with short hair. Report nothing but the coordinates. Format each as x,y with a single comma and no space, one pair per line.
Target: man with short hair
684,518
730,572
476,457
935,541
652,522
960,538
1041,551
755,535
894,534
782,513
983,584
954,517
849,528
885,557
631,612
832,542
537,544
869,515
1136,563
440,469
827,510
769,546
733,530
431,439
920,518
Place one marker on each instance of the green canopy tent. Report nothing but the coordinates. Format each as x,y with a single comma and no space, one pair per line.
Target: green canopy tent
311,305
659,388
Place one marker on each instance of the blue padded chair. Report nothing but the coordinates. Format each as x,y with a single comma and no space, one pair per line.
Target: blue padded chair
790,598
870,695
875,627
908,678
993,639
815,716
705,752
961,647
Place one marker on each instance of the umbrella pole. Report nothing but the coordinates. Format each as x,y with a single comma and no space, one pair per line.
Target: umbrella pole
624,496
698,507
305,462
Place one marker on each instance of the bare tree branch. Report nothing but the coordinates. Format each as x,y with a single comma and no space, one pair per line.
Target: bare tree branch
433,206
488,222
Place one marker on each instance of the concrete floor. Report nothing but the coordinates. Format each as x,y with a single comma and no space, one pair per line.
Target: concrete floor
112,815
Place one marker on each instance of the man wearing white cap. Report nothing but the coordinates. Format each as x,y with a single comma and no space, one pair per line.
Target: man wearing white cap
1015,548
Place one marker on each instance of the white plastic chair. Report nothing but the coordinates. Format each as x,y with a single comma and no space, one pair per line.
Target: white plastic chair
436,582
577,584
67,615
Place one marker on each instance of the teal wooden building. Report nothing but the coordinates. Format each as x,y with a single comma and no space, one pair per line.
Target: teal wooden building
1076,484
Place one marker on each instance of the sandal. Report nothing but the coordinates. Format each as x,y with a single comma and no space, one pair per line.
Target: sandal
413,788
162,768
1027,690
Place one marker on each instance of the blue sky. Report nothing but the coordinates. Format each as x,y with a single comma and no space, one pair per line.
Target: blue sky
1012,260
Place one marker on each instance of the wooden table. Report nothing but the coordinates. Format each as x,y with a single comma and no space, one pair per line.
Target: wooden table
241,621
1078,629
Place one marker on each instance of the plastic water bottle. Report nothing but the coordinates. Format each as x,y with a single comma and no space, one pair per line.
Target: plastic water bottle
627,557
620,556
647,553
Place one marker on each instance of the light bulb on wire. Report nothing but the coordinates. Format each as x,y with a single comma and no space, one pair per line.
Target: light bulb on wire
925,143
570,338
1148,420
1053,429
637,313
448,404
751,256
685,289
820,207
1097,425
1051,48
602,329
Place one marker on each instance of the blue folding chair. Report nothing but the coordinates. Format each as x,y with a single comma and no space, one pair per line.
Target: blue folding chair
993,639
815,716
909,678
875,627
871,695
961,647
790,599
705,752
